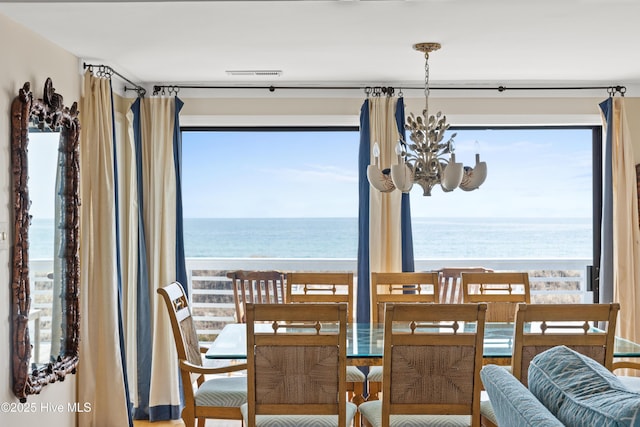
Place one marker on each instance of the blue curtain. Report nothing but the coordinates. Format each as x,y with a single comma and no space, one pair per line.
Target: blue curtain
364,291
143,308
119,267
405,208
606,254
181,268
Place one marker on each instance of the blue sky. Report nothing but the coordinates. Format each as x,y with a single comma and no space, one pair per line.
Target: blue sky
541,173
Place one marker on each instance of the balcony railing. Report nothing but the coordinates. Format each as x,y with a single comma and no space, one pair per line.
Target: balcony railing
552,280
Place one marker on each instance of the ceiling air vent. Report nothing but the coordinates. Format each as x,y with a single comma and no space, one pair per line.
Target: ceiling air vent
255,73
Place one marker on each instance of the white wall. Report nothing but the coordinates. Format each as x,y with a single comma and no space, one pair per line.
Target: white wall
27,57
266,110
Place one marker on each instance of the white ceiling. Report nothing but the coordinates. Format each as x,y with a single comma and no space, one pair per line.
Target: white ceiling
350,42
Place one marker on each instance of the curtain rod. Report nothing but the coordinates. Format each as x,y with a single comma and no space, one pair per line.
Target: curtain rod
105,70
387,90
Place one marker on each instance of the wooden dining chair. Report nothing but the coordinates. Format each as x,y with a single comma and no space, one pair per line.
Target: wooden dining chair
318,287
539,327
407,287
432,360
264,287
329,287
219,397
297,366
502,291
451,284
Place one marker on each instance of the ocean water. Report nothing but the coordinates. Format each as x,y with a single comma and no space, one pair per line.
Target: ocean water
338,237
432,237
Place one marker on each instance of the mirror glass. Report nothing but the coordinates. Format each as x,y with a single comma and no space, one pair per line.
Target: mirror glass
45,322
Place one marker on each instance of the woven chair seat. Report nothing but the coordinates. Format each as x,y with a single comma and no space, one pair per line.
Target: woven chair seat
300,420
354,375
486,409
225,391
372,411
375,374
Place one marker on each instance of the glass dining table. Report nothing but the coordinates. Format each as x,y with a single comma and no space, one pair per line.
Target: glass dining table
365,343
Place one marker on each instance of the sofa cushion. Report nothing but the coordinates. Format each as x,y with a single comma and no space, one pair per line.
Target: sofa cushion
511,403
579,391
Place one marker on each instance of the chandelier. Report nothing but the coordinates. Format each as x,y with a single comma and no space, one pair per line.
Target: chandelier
426,160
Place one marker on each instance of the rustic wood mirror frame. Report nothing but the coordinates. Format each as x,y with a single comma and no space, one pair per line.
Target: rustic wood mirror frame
48,112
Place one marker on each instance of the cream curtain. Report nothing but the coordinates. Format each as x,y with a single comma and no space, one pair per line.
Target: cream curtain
101,380
127,163
626,231
159,216
385,238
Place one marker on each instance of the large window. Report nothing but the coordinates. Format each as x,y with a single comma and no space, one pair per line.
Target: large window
294,193
536,202
271,193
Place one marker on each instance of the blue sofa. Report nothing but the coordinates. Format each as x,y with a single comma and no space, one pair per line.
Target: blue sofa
565,389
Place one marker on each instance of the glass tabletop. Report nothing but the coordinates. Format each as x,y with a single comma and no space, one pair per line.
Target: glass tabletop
365,340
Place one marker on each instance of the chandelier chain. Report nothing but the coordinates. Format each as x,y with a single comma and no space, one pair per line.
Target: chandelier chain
426,85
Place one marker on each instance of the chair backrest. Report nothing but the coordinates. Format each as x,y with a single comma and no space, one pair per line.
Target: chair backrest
316,287
184,331
401,288
432,360
296,362
451,285
502,291
262,287
539,327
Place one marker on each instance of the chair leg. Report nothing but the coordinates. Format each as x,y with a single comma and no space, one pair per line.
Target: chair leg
188,418
374,388
358,398
201,422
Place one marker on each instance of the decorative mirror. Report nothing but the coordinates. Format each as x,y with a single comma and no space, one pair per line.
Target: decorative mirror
57,287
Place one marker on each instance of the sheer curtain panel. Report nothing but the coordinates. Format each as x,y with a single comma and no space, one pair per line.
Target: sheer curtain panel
623,263
101,371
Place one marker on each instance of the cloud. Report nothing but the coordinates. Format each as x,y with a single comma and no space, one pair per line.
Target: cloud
314,173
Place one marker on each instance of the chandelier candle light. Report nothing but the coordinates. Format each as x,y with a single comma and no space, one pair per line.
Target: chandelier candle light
425,161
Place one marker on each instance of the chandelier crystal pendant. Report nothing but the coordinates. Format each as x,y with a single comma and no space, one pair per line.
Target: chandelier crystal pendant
426,160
